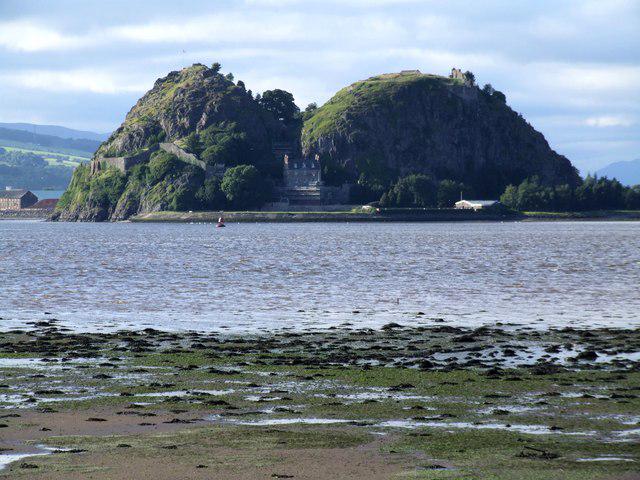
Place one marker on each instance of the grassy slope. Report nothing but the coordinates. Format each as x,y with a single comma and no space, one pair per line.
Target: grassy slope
362,94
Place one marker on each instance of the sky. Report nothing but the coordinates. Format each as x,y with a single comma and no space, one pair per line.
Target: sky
570,67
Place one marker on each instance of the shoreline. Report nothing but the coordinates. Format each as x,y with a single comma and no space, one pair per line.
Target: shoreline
445,216
395,402
427,216
352,217
313,216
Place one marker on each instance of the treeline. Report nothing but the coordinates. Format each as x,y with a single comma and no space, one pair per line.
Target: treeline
29,170
595,193
424,192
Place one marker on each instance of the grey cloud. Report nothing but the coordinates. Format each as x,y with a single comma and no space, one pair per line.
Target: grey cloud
559,62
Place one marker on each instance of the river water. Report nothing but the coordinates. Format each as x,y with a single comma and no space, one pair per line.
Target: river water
260,277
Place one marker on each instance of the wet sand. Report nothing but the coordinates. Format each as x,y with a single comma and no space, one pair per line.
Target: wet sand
399,402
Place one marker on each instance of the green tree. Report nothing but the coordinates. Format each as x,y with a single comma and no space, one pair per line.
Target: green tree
216,67
510,197
470,77
245,187
309,111
229,149
192,143
632,198
488,89
600,193
161,165
182,199
106,187
498,95
411,191
532,195
229,76
281,104
563,198
225,143
210,196
609,193
333,173
529,195
449,192
375,174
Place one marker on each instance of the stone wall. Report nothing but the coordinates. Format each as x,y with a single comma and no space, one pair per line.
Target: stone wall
337,195
301,177
457,74
26,213
186,157
124,164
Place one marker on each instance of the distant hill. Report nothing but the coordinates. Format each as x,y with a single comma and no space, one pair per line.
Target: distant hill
29,170
48,142
628,173
56,131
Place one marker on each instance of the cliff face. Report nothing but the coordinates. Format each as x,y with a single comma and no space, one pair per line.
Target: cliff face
398,124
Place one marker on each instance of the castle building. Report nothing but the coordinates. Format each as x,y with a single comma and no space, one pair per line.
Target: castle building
302,172
457,74
302,180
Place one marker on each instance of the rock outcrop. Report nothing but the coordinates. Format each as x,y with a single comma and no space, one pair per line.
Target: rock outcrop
398,124
143,166
187,101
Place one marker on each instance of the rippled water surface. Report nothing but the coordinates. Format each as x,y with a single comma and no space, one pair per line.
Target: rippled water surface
266,276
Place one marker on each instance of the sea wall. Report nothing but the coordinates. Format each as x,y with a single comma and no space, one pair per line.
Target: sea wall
448,215
26,214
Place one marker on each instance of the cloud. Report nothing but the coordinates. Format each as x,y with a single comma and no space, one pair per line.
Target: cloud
81,80
609,121
600,77
33,37
570,67
227,27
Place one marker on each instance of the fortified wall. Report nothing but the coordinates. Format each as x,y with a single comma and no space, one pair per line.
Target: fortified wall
125,163
466,90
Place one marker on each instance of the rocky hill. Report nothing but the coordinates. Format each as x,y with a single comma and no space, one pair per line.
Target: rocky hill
397,124
198,110
195,124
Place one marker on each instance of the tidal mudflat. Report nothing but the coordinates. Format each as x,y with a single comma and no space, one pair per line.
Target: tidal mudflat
397,402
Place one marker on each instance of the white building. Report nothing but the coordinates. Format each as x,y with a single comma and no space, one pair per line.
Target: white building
477,204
